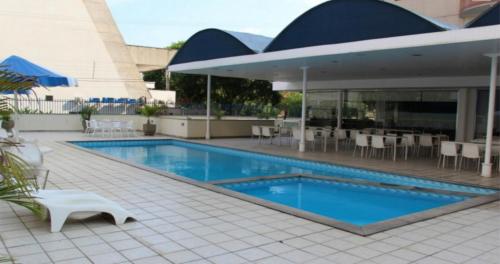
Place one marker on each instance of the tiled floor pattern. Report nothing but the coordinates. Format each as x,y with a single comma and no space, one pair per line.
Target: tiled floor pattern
181,223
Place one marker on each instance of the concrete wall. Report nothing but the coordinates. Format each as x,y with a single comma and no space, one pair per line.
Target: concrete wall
73,37
149,59
455,12
176,126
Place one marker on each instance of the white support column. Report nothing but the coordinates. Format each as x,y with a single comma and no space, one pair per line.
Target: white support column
167,80
209,92
302,143
486,171
461,118
340,105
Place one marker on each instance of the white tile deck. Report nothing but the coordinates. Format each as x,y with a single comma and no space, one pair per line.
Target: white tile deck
181,223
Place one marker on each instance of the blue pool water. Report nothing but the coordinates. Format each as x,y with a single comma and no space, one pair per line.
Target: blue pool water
208,163
352,203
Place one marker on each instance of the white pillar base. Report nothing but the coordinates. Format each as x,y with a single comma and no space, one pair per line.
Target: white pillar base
302,147
486,170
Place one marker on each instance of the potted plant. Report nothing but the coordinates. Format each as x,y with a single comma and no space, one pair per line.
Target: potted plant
148,111
218,112
86,113
7,122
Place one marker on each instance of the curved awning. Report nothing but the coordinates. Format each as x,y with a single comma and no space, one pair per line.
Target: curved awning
212,43
342,21
489,18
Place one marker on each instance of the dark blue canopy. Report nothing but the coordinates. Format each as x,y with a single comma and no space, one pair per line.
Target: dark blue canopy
42,75
213,43
342,21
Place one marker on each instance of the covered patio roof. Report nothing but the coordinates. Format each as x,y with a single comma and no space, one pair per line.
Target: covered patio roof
353,40
448,53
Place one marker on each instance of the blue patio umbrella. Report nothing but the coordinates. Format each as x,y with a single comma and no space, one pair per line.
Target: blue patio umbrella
43,76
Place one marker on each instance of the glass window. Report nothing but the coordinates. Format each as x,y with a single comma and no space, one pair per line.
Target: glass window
427,111
482,114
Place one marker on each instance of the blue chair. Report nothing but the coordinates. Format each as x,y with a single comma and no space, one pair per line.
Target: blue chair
108,100
132,101
121,101
94,100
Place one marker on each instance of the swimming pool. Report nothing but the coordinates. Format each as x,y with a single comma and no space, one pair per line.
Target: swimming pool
356,204
374,196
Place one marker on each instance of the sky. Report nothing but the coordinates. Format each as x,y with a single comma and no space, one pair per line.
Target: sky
158,23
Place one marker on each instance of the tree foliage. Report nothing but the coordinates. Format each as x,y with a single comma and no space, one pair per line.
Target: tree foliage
226,92
158,77
192,89
292,103
176,45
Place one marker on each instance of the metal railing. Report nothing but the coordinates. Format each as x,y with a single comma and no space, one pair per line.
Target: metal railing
58,106
33,106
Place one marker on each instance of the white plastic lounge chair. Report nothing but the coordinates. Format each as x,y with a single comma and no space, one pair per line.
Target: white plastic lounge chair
31,154
3,133
61,204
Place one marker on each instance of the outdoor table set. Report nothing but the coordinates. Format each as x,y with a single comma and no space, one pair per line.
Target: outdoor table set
109,128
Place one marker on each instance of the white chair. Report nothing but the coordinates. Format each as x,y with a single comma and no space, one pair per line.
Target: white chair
362,143
268,132
62,204
296,135
340,136
105,126
470,151
130,128
87,130
409,142
94,127
257,132
352,136
285,132
391,139
378,144
425,141
448,149
116,126
310,137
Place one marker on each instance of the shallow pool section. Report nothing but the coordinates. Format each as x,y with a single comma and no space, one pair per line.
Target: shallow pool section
209,163
356,204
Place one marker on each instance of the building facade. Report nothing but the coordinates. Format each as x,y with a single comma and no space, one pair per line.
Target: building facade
78,38
456,12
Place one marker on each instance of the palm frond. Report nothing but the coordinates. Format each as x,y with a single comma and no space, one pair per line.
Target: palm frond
15,186
5,259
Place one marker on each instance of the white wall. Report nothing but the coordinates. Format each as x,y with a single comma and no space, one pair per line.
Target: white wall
177,126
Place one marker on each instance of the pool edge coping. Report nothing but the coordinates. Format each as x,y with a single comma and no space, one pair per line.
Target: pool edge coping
366,230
